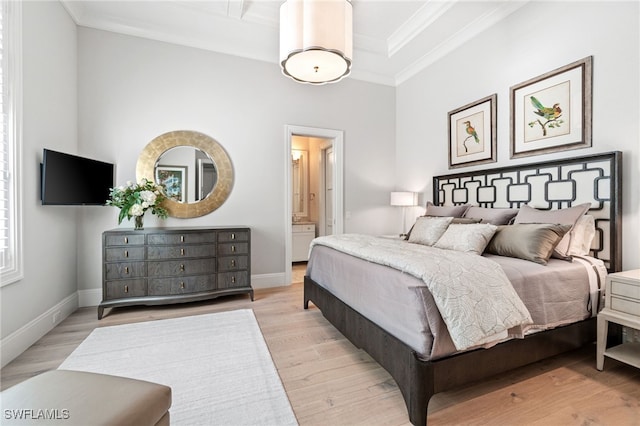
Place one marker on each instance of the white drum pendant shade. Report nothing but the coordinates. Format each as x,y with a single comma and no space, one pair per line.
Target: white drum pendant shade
316,40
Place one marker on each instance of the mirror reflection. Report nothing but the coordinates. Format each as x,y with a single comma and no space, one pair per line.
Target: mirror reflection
187,173
300,182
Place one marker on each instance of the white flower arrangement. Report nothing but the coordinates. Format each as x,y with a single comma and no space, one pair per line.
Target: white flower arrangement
134,199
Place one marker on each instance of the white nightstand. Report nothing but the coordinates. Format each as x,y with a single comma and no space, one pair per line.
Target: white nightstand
621,306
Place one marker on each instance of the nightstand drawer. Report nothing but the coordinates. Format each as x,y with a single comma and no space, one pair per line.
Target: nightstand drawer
626,290
628,306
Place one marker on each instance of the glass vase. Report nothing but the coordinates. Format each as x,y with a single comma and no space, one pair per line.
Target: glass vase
139,222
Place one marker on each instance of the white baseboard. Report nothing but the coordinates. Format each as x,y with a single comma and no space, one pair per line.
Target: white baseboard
93,297
18,341
268,281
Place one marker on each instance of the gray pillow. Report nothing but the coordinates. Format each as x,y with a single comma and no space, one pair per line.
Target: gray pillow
568,216
468,238
445,211
529,241
490,215
427,230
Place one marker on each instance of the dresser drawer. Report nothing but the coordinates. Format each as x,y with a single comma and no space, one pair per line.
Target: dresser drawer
233,248
628,290
185,285
125,288
112,254
232,263
181,251
233,279
181,238
169,268
114,271
124,240
231,236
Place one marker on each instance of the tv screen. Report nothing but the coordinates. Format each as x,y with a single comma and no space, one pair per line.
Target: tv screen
72,180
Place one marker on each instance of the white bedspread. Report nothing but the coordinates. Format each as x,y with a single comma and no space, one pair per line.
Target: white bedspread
474,296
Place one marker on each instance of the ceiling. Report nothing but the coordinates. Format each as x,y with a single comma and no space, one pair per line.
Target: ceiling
393,39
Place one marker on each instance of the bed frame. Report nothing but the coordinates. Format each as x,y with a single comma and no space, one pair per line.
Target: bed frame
555,184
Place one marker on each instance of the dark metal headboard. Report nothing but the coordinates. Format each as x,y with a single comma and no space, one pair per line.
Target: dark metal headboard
595,179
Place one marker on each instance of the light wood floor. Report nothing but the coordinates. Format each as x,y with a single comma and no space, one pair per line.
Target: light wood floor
330,382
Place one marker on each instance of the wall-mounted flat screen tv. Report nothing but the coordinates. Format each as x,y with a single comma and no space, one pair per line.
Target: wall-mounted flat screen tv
72,180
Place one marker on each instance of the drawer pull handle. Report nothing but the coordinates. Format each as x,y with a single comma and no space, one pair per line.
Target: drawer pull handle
182,238
233,236
233,279
233,262
126,289
182,284
126,240
126,253
181,252
233,249
182,267
126,269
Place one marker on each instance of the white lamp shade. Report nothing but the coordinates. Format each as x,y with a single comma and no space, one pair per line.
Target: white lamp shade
404,198
316,40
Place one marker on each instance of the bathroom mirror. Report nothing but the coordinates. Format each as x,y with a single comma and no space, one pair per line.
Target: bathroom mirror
300,183
194,168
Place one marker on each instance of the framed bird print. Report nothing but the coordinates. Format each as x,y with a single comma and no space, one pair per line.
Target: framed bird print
552,112
472,133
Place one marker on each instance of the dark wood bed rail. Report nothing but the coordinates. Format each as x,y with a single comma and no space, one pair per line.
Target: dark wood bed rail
419,380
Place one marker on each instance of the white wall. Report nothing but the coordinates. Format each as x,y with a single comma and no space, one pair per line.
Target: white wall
536,39
132,90
49,237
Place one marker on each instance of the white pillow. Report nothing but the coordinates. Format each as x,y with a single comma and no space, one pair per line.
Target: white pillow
428,229
472,238
584,231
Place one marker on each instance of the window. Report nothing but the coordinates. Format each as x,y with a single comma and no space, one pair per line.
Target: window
10,134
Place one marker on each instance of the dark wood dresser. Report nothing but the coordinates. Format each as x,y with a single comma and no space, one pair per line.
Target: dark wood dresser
158,266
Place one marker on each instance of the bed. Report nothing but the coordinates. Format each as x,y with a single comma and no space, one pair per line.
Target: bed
365,290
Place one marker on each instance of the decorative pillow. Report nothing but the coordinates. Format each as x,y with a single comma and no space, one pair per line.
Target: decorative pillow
528,241
460,220
471,238
445,211
492,216
465,220
568,216
584,231
427,230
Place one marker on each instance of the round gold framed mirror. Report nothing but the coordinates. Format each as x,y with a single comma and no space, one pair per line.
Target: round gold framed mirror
195,169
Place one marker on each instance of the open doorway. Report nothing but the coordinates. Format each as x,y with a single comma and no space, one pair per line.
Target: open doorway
313,189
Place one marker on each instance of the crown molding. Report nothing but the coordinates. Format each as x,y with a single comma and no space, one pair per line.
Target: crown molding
468,32
416,24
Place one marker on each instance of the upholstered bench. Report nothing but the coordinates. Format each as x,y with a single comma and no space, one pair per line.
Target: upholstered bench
68,397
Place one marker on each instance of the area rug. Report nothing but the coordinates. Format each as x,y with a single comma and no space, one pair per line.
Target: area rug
217,365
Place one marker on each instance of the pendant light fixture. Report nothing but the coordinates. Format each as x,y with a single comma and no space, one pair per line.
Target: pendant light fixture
316,40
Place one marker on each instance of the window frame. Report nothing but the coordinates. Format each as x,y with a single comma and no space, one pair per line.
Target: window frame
13,270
